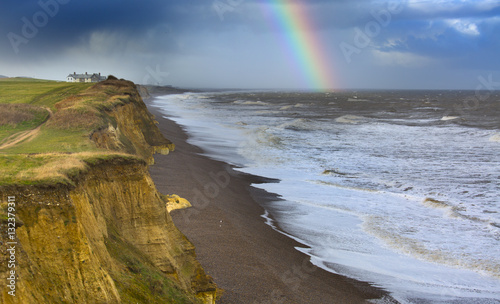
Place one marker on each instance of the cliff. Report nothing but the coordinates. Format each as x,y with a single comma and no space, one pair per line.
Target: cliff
131,128
100,232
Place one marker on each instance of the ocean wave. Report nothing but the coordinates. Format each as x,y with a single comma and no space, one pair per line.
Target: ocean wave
334,172
451,210
300,124
445,253
456,212
495,138
262,136
356,99
288,107
262,147
250,103
266,112
340,186
351,119
446,118
189,96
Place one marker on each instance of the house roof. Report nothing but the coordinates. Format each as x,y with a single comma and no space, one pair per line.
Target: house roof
80,76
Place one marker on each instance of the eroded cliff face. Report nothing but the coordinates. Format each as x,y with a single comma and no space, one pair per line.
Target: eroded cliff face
109,237
131,129
56,261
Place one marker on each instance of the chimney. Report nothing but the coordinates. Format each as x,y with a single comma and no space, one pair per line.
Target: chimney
85,73
74,73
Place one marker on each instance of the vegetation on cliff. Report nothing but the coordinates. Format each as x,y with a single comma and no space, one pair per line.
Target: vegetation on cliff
69,123
91,226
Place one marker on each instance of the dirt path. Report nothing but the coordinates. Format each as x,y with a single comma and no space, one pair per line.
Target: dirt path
16,138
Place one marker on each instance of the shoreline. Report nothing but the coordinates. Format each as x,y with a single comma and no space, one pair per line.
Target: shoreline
248,259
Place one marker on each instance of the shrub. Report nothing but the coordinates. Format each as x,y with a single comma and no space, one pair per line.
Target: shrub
14,114
74,119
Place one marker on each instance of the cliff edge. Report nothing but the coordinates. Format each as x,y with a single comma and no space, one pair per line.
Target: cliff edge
83,222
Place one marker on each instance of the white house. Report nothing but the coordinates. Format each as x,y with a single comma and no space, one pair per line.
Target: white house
85,77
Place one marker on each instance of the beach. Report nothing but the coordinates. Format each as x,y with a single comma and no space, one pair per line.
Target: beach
248,259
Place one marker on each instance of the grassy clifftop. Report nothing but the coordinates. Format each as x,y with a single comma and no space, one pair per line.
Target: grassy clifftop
91,226
48,130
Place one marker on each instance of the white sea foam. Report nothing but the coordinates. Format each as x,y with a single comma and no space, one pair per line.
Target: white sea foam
353,119
265,112
288,107
445,118
249,102
356,99
299,124
495,138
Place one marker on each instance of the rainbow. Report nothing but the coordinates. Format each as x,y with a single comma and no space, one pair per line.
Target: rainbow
301,42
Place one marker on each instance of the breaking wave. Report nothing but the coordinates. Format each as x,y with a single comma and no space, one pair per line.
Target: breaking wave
495,138
350,119
250,103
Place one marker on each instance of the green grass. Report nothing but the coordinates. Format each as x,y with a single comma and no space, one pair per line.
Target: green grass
52,168
10,124
36,91
39,94
77,110
12,165
55,141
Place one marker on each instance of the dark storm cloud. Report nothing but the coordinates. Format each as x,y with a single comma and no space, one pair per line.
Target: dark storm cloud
76,19
227,40
69,22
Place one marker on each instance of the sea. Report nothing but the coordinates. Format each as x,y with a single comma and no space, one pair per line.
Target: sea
397,188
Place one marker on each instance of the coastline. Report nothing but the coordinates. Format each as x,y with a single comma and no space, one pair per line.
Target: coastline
249,260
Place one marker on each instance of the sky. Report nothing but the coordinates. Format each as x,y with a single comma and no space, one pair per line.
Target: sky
284,44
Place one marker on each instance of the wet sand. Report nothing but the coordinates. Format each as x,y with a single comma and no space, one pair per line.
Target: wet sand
247,258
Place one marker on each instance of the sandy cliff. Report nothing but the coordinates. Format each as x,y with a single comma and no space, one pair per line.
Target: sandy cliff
107,236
